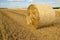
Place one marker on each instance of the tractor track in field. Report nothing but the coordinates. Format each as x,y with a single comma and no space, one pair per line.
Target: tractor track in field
16,12
15,16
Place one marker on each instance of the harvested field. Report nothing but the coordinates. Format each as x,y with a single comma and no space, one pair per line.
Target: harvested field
13,27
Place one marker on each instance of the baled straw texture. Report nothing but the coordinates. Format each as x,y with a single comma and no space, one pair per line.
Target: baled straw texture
41,15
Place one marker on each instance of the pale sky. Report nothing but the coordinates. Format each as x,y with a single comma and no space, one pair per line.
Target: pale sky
25,3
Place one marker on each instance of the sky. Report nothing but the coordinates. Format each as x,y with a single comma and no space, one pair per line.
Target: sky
26,3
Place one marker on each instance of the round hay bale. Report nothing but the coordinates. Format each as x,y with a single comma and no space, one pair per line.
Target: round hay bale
40,15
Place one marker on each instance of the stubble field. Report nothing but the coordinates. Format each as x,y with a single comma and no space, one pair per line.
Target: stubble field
13,27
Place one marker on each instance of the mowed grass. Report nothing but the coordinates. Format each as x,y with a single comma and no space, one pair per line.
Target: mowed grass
13,27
